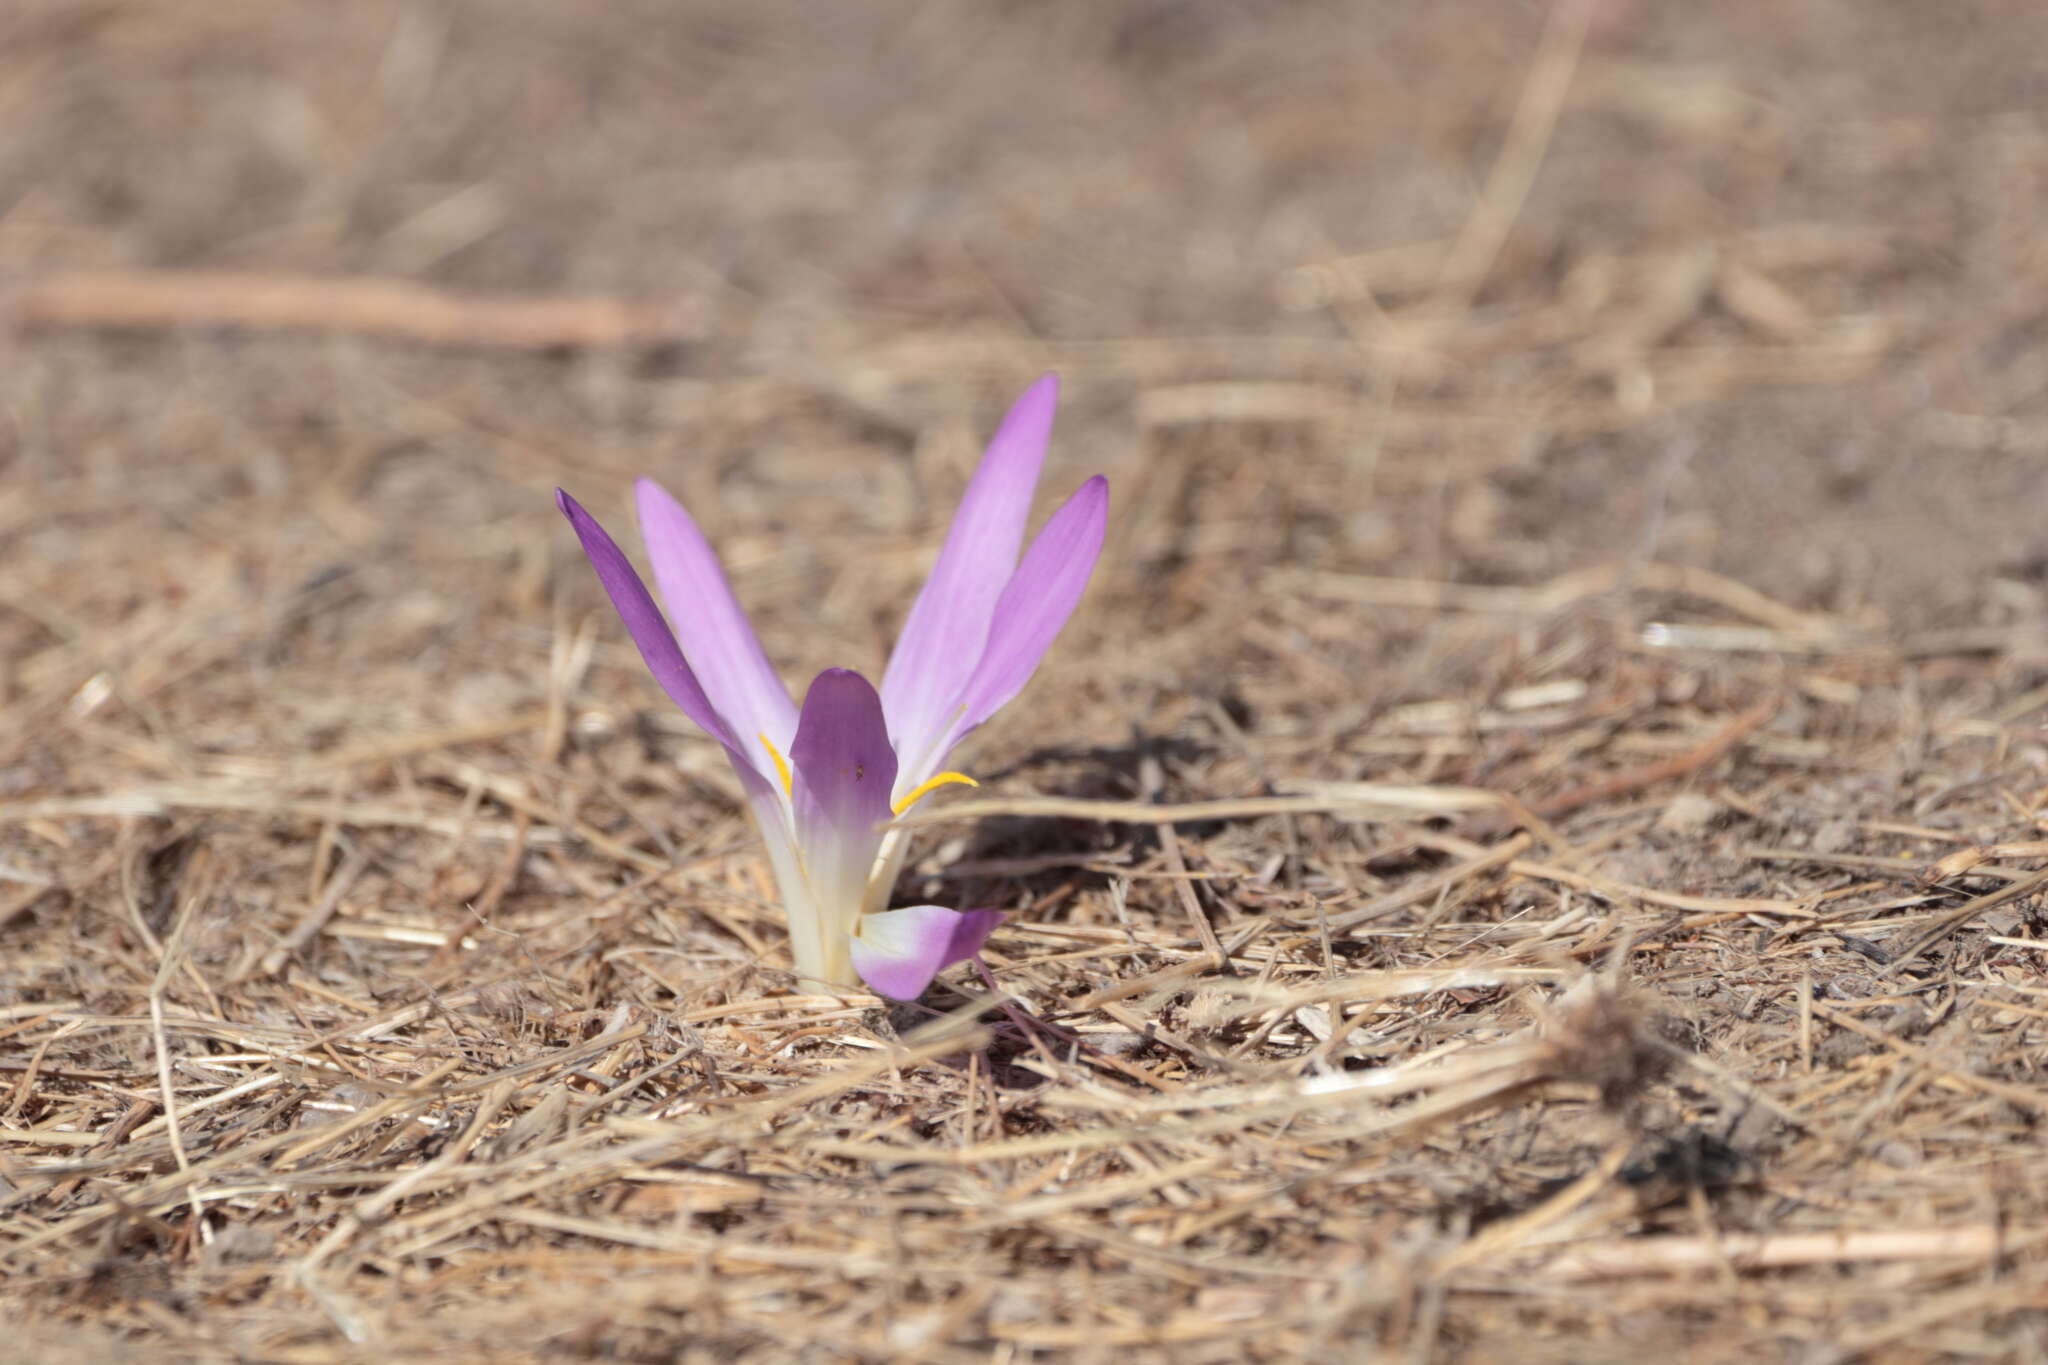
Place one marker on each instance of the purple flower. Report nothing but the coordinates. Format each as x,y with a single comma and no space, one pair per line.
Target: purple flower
822,779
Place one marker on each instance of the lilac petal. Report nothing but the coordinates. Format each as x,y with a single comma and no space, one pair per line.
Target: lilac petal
665,661
713,630
643,621
844,770
898,952
948,625
1040,597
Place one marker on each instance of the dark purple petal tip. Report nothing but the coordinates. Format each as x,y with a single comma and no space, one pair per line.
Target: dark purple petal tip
643,620
845,765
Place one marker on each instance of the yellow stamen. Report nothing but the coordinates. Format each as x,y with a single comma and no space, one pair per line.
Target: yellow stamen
781,765
924,789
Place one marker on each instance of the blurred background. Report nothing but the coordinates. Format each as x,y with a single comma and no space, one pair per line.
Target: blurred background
311,306
1752,285
1437,351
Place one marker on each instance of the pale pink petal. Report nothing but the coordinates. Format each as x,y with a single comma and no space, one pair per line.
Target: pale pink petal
948,625
1034,606
898,952
712,629
665,661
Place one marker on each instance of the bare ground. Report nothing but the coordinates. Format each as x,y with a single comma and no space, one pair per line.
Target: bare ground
1576,575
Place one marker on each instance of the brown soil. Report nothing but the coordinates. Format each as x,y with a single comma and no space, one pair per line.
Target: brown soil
1616,432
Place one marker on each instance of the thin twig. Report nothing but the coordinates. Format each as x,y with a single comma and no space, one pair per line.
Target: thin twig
138,299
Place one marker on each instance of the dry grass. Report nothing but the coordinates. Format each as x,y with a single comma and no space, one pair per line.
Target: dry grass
1530,850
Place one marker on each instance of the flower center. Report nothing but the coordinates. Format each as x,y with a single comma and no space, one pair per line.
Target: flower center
900,805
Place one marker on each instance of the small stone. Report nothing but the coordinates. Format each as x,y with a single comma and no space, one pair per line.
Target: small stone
1833,837
1689,813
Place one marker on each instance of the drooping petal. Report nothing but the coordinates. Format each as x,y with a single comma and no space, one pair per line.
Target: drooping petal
713,631
898,952
948,625
644,621
1040,597
844,770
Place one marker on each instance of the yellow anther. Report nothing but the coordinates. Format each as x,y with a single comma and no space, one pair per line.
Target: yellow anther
924,789
781,765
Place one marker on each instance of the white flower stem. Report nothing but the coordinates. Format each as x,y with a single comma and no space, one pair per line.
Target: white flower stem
818,943
888,866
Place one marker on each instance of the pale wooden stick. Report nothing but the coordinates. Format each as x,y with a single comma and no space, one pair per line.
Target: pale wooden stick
1634,1256
251,301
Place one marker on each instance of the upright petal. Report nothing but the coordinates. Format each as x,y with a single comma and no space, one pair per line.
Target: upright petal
643,620
948,624
844,771
844,765
665,661
1040,597
898,952
714,632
